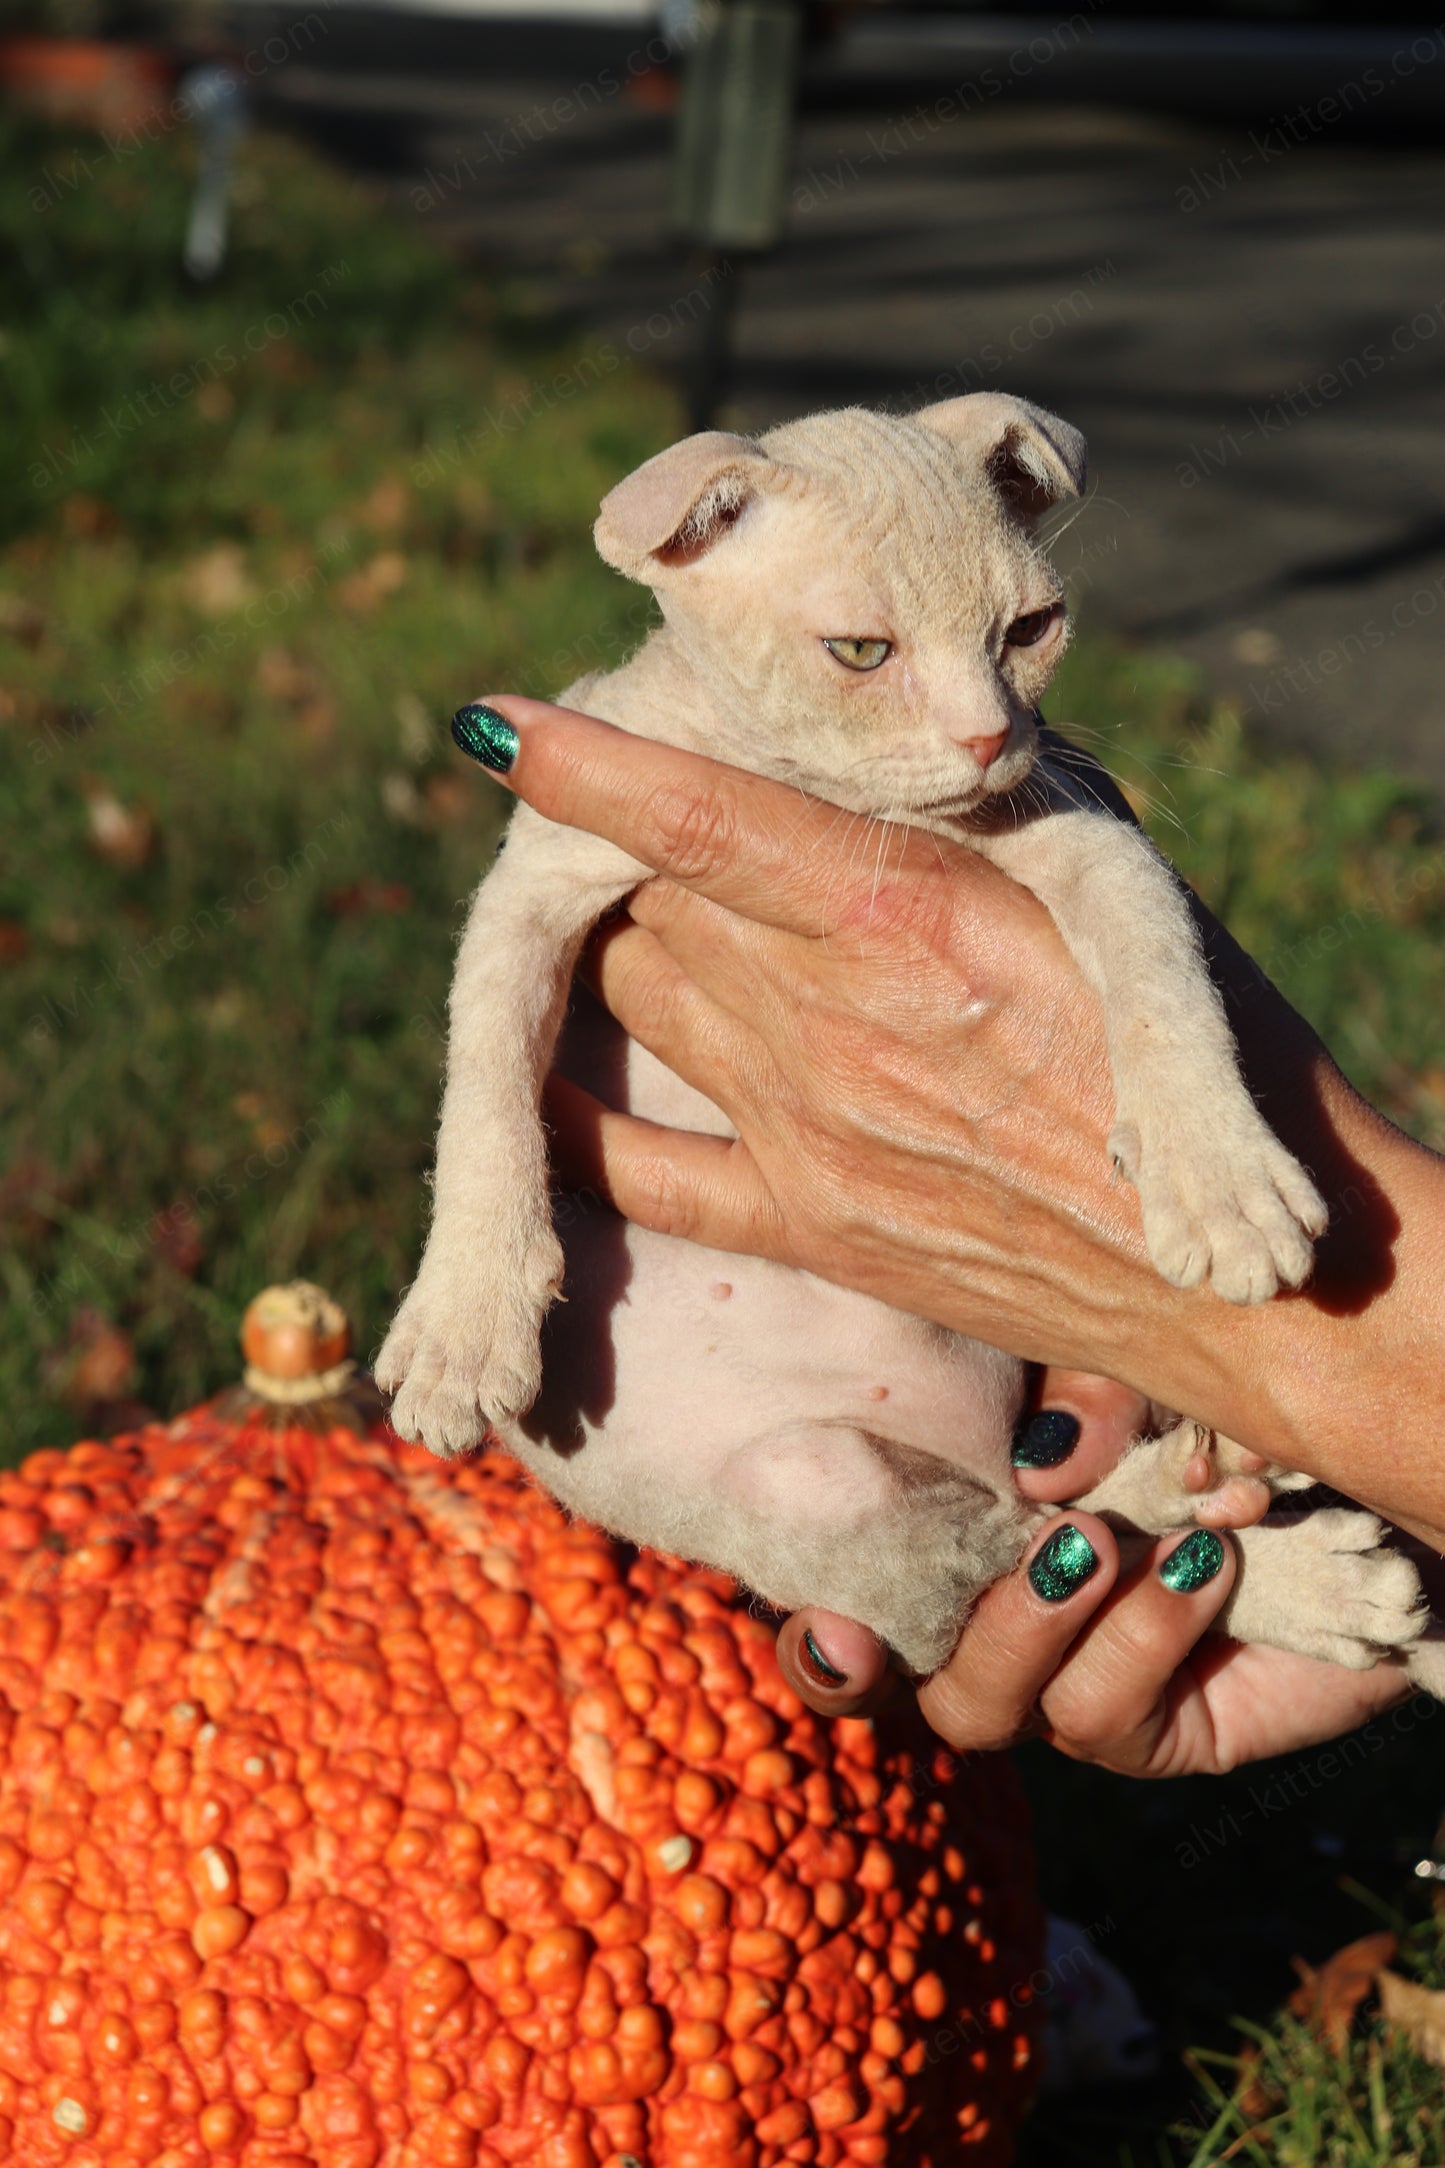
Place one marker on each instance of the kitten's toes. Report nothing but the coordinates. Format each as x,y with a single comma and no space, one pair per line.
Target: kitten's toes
466,1378
1326,1586
1237,1501
465,1349
1125,1150
1239,1215
439,1411
397,1352
1275,1210
1303,1200
1244,1266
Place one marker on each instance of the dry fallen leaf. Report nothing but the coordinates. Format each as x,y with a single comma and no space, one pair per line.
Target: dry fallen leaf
14,941
281,674
317,720
419,734
1252,2097
26,1186
359,899
402,801
89,518
126,835
225,1010
386,507
366,590
450,796
1328,1996
176,1233
105,1368
217,582
1418,2011
215,402
21,620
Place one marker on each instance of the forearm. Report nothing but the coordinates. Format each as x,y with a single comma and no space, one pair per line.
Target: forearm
1347,1380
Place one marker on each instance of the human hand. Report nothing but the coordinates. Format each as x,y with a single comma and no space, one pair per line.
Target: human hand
1023,1666
917,1071
919,1080
1123,1671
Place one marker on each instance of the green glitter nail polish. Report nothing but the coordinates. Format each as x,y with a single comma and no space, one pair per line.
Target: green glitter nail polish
828,1674
1045,1440
1193,1562
1063,1565
486,736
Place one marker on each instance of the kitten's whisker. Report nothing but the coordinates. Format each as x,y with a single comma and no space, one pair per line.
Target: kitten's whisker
883,835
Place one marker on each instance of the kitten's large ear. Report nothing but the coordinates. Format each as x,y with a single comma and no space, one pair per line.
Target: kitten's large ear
676,506
1032,458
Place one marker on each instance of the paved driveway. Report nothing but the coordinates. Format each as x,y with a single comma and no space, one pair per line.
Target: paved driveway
1247,318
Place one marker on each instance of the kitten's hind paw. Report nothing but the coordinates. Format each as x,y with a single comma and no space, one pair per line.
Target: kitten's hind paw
1326,1586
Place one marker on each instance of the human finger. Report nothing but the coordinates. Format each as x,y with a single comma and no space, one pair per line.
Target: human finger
675,1181
1118,1697
659,1005
1073,1429
836,1666
1019,1633
725,953
760,847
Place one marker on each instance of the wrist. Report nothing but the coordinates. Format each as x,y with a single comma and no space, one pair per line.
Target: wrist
1342,1381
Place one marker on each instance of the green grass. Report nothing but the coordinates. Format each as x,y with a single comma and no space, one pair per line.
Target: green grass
243,610
1309,2105
257,543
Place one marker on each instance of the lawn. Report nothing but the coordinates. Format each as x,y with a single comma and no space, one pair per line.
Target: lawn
256,543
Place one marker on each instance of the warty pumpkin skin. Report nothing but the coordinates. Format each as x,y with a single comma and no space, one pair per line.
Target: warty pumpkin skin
360,1812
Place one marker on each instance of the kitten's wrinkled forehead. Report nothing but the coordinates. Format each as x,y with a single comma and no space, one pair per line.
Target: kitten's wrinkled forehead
884,469
903,501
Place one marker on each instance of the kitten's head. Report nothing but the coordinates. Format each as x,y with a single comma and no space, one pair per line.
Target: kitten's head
864,595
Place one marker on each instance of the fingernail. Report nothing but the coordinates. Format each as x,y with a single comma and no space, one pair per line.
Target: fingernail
1193,1562
1045,1439
486,736
1063,1564
815,1661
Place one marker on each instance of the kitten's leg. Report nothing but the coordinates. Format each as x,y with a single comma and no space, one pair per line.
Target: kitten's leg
898,1539
1220,1195
1323,1585
1187,1474
464,1344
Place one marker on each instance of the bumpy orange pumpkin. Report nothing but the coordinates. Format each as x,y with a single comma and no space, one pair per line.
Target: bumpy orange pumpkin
360,1811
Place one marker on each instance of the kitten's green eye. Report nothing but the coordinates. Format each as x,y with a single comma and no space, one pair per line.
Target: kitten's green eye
1028,631
859,654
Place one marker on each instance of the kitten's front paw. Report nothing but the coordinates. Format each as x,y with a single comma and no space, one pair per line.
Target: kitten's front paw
1234,1207
464,1349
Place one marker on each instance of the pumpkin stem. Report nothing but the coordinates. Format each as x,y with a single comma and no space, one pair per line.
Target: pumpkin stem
296,1342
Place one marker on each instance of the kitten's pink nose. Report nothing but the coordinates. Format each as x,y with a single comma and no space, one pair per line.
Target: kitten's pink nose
985,750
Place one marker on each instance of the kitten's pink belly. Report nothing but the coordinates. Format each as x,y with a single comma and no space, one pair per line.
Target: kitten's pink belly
673,1372
666,1362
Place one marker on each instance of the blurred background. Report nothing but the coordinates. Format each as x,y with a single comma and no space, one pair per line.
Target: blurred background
325,327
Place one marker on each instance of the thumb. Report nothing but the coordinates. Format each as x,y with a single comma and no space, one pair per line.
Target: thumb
834,1665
